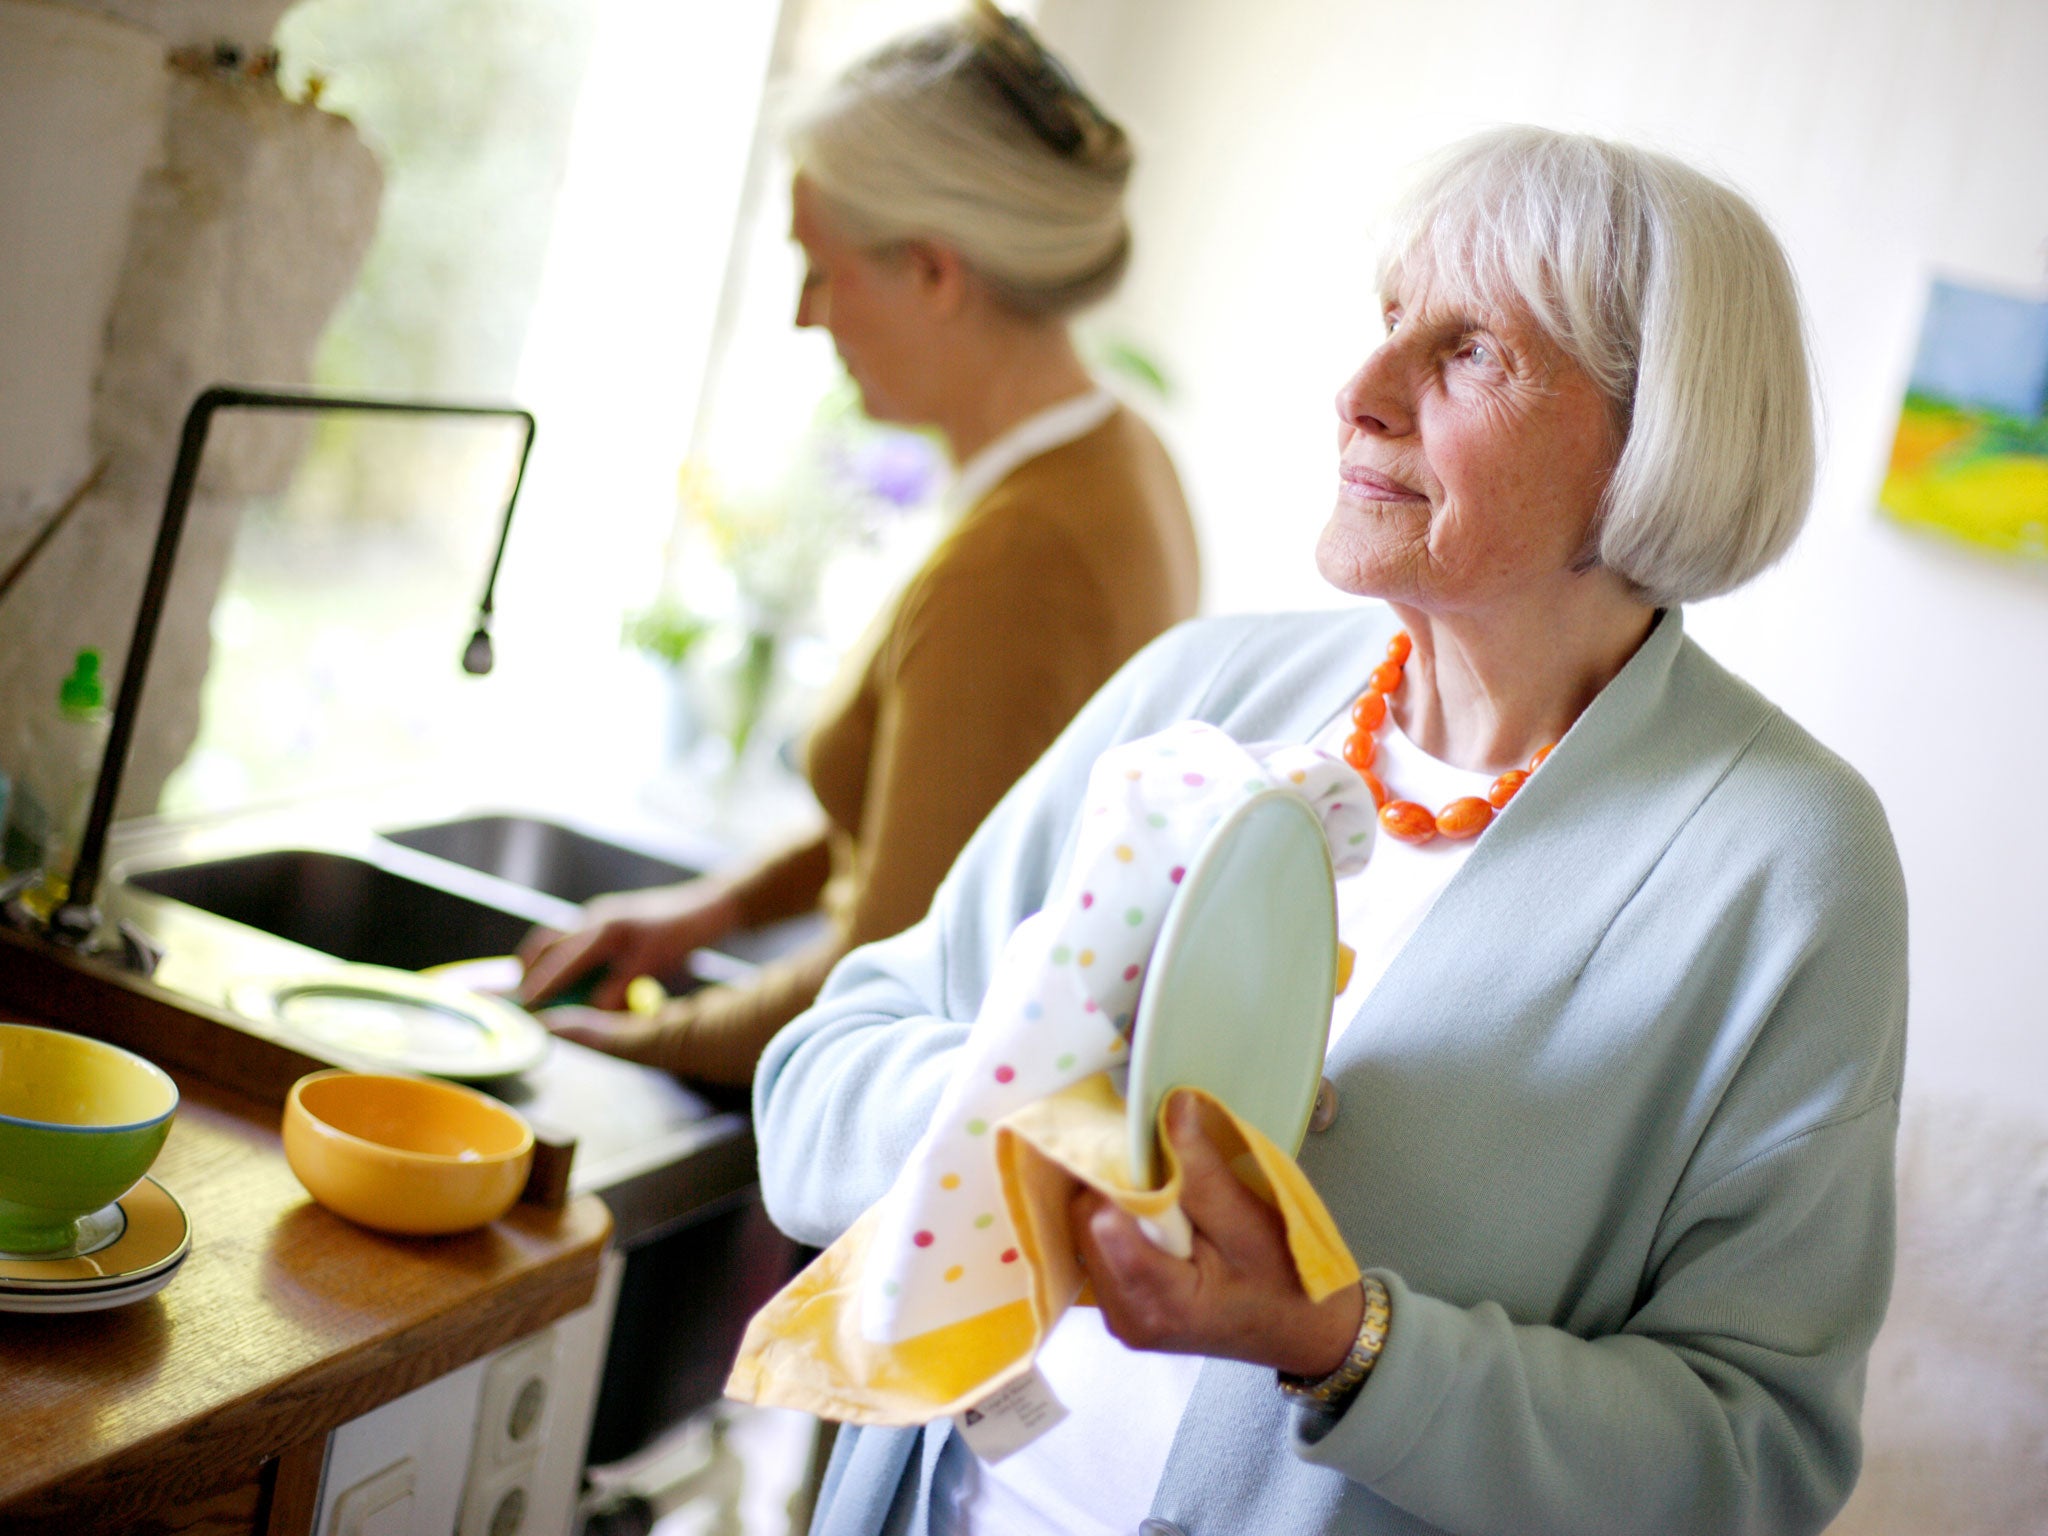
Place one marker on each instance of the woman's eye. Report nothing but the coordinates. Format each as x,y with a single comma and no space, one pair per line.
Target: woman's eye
1476,352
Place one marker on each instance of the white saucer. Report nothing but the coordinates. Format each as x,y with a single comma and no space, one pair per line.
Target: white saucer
1237,995
127,1251
87,1300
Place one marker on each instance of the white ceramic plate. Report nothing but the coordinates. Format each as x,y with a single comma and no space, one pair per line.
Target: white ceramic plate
1236,998
131,1250
370,1016
88,1300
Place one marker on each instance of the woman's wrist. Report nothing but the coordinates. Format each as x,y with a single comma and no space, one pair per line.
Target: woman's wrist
782,884
1332,1392
1319,1345
721,907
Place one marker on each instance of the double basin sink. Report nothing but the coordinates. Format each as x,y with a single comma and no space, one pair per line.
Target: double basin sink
347,906
472,889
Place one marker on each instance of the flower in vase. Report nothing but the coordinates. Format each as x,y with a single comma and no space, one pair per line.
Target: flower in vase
755,557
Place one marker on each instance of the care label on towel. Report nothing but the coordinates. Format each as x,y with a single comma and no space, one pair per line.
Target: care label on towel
1010,1417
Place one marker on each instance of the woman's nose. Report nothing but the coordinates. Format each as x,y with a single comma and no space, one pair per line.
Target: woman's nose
1371,400
810,301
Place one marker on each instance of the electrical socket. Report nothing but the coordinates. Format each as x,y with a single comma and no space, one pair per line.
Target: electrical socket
515,1408
380,1505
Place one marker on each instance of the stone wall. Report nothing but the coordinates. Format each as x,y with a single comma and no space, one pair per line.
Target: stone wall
161,228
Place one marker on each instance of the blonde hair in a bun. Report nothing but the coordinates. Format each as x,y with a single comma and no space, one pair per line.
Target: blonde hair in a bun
919,140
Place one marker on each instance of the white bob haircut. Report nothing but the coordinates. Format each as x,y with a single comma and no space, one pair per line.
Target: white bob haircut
1673,295
917,142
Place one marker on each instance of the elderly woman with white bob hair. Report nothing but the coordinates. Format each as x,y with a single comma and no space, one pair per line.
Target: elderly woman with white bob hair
957,199
1616,1073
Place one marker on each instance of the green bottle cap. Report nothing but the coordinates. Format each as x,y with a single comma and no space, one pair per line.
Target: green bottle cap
83,693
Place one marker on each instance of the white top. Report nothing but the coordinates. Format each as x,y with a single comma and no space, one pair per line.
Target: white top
1381,906
1053,427
1065,1480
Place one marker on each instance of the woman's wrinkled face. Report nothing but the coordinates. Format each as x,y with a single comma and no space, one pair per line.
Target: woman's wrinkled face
867,302
1472,457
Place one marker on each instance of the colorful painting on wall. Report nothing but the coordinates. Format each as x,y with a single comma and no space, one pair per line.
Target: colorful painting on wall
1971,456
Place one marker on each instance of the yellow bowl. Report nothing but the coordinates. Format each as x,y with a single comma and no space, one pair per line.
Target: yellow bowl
80,1122
405,1154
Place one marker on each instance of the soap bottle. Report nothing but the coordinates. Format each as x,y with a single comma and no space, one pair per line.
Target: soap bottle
51,806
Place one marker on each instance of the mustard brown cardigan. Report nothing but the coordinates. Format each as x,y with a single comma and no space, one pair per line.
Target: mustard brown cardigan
1045,586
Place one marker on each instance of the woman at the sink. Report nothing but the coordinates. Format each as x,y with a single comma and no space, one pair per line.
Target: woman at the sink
957,198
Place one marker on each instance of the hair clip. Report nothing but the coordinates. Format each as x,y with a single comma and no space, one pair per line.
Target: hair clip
1033,81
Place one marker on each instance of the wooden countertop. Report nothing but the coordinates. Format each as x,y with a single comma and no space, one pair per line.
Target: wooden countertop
207,1406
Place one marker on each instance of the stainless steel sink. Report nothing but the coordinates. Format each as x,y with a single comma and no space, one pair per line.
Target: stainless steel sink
342,906
542,855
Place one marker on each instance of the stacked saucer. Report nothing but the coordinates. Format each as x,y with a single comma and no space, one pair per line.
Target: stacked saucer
124,1252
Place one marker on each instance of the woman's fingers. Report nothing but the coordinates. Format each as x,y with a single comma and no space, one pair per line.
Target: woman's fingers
1143,1292
616,1034
1237,1296
1112,1240
1247,1232
535,944
649,933
621,962
560,963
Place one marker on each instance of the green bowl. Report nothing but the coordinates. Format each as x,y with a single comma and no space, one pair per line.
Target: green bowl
80,1123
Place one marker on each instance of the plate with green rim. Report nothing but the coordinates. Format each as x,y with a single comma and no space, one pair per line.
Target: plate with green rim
1237,994
376,1018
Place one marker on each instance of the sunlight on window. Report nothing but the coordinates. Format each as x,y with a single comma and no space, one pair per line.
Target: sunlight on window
562,178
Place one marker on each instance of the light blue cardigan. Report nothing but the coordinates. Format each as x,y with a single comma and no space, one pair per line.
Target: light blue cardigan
1615,1127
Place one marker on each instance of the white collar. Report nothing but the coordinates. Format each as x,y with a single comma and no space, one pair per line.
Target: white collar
1053,427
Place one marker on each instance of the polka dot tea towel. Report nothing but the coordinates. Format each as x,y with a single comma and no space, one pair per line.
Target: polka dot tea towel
944,1289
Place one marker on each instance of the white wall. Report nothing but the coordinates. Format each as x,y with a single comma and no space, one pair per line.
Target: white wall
1884,138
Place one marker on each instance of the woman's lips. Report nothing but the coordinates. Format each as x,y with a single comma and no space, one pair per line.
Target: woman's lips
1368,485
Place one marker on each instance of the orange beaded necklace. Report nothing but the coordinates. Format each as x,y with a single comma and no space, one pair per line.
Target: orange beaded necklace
1404,820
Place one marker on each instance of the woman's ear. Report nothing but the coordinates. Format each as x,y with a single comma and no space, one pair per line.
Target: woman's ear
941,277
